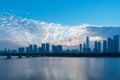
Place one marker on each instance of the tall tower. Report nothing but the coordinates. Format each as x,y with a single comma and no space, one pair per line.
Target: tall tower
35,48
99,47
87,45
47,47
87,42
116,43
30,49
95,47
43,48
80,48
104,46
110,45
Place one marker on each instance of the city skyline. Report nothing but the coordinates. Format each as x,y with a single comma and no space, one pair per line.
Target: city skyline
17,31
65,22
110,45
59,39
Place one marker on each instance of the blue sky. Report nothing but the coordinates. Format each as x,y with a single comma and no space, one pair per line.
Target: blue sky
66,12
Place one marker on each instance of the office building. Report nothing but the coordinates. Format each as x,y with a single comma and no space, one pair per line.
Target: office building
47,47
110,45
95,50
99,47
43,48
104,46
21,50
116,43
35,49
30,49
80,48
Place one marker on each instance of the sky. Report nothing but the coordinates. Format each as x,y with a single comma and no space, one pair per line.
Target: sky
65,22
66,12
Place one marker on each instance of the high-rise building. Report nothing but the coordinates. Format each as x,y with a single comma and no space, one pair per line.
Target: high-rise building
99,47
104,46
54,49
35,48
47,47
39,49
110,45
80,48
84,48
95,50
116,43
21,50
59,49
87,45
87,42
27,50
30,49
43,48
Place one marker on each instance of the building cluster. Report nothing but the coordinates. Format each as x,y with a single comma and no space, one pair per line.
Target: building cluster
45,48
111,45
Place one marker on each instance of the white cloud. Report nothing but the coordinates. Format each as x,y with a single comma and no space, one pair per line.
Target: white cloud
23,31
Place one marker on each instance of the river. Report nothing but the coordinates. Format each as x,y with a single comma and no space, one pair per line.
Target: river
60,68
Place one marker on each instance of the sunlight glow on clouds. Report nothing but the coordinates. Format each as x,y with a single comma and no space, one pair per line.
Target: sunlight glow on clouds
23,31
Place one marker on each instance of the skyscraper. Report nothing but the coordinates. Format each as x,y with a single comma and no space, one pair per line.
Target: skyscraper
104,46
99,47
53,49
95,50
84,48
87,42
110,45
39,49
30,49
47,47
35,48
27,50
21,50
80,48
116,43
43,48
59,48
87,45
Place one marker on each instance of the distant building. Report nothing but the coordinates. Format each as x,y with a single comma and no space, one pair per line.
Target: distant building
43,48
80,48
30,49
110,45
95,50
87,42
104,46
57,49
47,47
39,49
99,47
67,51
27,50
21,50
14,51
54,50
84,48
116,43
35,49
87,45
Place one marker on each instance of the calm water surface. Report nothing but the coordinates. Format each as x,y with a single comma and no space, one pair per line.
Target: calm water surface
55,68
